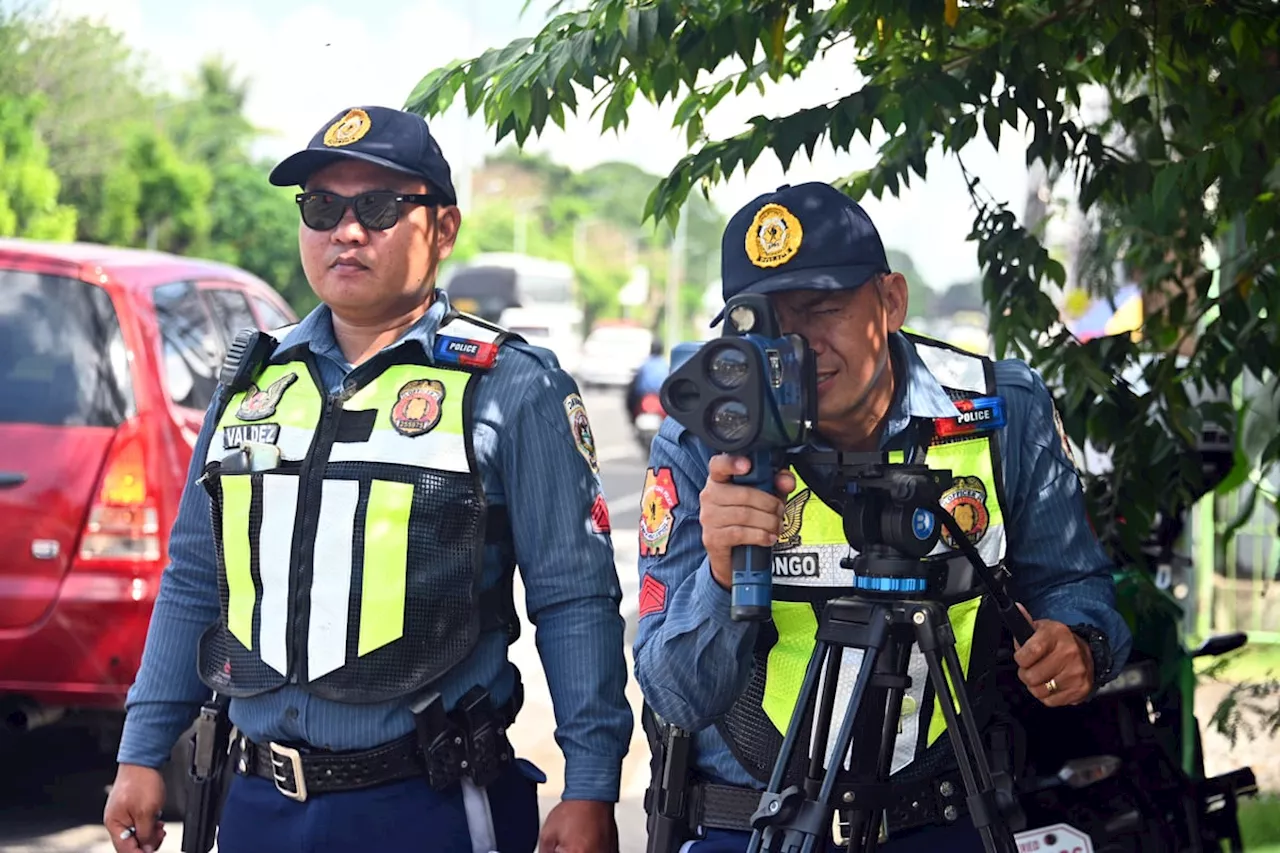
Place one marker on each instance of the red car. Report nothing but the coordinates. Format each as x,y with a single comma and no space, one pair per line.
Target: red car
108,359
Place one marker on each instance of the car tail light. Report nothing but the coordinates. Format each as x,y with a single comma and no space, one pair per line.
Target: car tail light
123,523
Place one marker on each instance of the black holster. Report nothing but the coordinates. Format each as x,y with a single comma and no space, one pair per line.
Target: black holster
667,799
207,775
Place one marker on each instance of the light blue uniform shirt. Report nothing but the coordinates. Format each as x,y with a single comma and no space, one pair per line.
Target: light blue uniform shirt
528,461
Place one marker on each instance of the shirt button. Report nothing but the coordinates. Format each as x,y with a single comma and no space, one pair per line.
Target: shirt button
291,713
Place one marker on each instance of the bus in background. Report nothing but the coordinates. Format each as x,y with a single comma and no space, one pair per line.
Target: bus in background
534,297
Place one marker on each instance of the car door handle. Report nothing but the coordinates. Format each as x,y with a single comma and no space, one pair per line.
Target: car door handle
11,479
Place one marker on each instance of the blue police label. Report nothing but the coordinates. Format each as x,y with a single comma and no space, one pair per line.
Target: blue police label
922,524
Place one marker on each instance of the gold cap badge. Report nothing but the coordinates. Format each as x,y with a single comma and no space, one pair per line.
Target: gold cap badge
774,236
348,129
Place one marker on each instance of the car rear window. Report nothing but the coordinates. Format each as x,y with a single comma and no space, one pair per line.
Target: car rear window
62,357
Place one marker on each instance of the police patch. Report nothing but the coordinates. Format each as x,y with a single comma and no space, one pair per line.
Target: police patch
657,511
418,408
793,516
580,426
348,129
234,436
966,501
774,236
258,404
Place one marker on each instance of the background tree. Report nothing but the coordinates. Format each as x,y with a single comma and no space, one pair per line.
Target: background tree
1182,153
28,187
1160,121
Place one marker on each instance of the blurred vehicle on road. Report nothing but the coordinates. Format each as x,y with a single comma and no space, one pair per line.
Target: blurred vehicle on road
612,353
549,327
643,397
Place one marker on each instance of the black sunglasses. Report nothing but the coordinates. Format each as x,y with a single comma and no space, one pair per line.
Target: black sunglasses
377,210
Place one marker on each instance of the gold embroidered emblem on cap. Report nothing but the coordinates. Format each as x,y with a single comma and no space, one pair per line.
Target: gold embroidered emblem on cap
774,236
348,129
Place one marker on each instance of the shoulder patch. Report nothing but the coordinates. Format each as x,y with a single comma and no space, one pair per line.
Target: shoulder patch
653,596
576,411
465,352
657,511
600,516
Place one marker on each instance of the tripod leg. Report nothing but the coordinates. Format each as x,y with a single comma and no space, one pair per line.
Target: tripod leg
822,722
845,737
770,800
935,636
882,712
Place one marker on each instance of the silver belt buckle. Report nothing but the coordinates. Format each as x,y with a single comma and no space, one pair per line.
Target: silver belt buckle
282,756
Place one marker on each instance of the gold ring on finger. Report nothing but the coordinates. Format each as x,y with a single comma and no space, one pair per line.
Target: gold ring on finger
1051,685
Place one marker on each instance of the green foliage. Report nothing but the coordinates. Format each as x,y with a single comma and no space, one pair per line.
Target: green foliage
28,187
166,170
1182,154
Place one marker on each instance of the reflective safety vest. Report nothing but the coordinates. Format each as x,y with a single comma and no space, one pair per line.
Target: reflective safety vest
807,573
349,563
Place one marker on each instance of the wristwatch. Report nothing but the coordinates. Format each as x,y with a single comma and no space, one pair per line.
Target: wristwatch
1099,649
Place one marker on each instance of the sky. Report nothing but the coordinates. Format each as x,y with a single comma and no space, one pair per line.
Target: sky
306,60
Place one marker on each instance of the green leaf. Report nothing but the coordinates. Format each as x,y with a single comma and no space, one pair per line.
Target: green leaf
1238,31
1056,273
1166,181
991,123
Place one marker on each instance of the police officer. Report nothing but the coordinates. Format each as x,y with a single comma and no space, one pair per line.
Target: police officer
1016,494
342,560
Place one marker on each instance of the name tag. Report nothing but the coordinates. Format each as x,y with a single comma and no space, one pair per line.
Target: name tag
234,436
981,414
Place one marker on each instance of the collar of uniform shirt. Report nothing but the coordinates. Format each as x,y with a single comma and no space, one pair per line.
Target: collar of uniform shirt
316,331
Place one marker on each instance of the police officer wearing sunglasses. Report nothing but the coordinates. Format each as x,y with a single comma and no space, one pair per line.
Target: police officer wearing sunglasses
341,567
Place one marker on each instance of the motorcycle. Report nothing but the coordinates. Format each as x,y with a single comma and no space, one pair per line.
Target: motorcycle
1126,769
647,418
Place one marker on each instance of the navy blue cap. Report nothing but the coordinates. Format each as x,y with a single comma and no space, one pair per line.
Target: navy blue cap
380,135
805,237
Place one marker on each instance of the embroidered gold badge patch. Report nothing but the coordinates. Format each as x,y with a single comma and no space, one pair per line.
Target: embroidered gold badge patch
348,129
774,236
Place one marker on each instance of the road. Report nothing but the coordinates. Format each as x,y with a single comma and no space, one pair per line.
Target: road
54,785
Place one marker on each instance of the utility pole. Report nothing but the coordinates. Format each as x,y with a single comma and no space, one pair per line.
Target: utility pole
675,278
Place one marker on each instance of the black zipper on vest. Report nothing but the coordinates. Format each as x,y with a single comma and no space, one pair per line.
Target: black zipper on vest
309,497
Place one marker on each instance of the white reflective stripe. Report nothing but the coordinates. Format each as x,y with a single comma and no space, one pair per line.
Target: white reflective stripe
440,450
790,566
904,748
331,577
292,441
850,663
463,328
952,369
275,553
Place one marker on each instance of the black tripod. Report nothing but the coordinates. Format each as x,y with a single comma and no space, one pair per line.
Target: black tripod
891,520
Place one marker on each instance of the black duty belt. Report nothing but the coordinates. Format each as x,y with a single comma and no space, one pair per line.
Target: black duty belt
470,741
907,805
299,775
